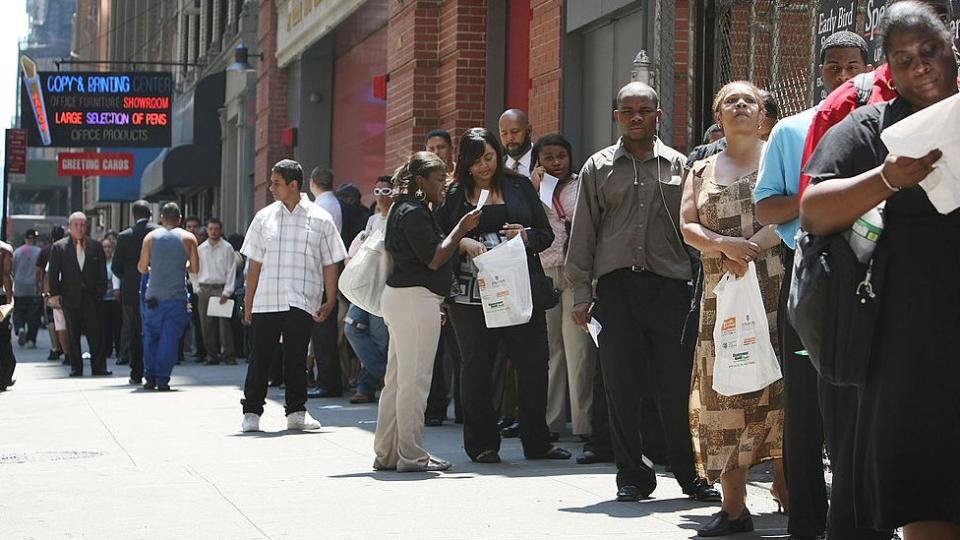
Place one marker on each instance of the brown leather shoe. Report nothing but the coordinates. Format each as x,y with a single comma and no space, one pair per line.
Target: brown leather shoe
360,397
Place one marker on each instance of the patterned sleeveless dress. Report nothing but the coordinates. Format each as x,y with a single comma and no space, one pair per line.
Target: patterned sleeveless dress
732,431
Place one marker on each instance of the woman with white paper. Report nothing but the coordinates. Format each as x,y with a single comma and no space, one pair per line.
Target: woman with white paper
733,433
906,431
511,209
411,308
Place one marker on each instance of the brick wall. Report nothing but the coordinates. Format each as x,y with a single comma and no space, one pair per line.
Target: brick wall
436,58
546,51
271,105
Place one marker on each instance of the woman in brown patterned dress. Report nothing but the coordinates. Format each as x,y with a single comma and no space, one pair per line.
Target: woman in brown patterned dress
732,433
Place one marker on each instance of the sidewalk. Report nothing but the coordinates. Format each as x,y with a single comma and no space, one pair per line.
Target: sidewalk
98,458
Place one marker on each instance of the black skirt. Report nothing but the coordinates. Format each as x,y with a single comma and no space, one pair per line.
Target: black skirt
908,424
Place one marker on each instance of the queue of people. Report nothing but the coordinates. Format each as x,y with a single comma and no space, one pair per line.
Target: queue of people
624,256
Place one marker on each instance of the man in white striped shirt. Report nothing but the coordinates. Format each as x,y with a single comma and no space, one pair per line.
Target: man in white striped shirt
293,248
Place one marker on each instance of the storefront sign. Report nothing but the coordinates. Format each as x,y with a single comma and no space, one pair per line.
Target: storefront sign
64,109
94,164
302,23
16,151
871,24
832,16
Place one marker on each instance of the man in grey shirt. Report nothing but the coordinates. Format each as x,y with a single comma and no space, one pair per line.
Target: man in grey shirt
626,238
26,316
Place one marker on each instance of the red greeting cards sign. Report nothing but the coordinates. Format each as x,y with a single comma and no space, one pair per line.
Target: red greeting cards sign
95,164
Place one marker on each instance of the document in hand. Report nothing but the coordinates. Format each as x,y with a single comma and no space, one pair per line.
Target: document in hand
216,309
547,186
932,128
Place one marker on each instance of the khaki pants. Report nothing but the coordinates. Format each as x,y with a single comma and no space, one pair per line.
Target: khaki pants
573,358
412,315
216,331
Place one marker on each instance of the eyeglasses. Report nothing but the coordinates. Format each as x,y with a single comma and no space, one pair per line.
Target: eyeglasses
382,191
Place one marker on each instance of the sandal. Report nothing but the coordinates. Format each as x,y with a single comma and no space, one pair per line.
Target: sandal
555,452
487,456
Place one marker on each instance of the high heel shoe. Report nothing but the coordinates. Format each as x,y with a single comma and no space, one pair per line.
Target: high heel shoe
782,508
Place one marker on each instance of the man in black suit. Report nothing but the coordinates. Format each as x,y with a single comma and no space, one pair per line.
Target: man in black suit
78,281
124,266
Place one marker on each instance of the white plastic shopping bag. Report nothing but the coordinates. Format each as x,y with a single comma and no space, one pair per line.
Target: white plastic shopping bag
365,276
745,359
504,283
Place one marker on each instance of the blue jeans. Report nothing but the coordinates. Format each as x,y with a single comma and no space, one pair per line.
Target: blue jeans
369,338
163,326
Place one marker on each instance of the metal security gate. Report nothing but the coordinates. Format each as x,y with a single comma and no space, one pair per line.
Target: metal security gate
770,43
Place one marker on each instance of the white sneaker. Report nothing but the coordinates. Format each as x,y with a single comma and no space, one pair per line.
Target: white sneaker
251,422
301,420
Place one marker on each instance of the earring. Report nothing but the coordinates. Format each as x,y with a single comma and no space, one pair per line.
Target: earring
420,195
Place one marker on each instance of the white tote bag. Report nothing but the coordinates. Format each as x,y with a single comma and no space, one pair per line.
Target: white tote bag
504,282
745,359
365,276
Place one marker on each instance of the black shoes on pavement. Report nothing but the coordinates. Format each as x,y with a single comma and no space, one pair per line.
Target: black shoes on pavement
722,525
589,457
703,492
321,393
631,493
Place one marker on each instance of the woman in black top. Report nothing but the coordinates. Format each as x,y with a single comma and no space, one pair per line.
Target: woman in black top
907,425
411,309
513,208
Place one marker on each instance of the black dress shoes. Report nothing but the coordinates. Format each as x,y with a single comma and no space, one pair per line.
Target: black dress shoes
589,457
76,374
631,493
103,373
511,432
150,385
703,492
722,525
163,387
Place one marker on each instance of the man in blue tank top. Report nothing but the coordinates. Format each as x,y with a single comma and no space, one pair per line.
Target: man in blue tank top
167,252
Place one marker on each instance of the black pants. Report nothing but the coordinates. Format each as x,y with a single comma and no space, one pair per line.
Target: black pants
327,353
133,332
438,400
526,346
452,352
8,362
599,443
26,314
86,319
294,325
643,356
112,326
803,425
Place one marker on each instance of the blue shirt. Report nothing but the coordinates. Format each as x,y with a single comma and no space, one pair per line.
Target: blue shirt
780,166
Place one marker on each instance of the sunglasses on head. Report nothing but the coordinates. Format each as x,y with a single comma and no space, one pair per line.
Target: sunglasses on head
383,191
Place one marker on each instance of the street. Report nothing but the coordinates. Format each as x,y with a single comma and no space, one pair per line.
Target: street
98,458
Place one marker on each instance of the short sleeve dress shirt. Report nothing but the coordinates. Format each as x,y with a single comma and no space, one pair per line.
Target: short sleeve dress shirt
292,248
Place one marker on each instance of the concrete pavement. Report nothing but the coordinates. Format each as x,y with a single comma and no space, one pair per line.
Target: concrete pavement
97,458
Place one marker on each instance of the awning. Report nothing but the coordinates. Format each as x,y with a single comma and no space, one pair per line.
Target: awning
194,160
179,169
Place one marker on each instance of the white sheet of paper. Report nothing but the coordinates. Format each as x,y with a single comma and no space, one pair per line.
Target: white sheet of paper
547,186
594,328
216,309
915,136
483,198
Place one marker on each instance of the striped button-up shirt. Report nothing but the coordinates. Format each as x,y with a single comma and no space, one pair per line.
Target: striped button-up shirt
292,247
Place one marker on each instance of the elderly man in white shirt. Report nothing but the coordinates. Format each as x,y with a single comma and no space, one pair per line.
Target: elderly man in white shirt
218,267
293,249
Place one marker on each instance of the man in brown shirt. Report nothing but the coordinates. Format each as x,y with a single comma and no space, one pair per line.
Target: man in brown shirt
626,236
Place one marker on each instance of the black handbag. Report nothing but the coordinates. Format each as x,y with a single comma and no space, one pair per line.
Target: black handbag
543,292
833,305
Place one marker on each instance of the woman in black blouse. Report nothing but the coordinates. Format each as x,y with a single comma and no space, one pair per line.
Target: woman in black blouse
906,429
513,208
411,308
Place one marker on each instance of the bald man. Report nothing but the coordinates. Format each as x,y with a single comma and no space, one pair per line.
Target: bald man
626,237
516,138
